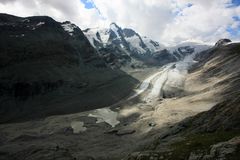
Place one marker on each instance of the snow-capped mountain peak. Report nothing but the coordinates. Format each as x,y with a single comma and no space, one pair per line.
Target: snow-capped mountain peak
124,38
125,43
114,27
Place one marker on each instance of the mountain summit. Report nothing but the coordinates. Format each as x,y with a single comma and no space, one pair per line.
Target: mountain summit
125,38
125,46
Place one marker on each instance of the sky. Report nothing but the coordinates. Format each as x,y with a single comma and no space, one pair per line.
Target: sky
166,21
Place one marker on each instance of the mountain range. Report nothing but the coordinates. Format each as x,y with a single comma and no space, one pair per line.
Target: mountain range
129,47
111,94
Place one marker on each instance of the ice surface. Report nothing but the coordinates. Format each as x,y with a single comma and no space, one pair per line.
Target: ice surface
105,115
144,85
78,126
161,78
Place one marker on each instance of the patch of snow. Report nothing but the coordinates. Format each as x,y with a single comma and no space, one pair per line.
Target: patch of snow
114,28
91,35
135,43
21,35
105,115
104,34
26,20
183,50
69,27
40,24
232,42
78,126
151,46
198,47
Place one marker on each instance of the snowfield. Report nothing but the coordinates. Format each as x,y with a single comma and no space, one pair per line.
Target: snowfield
69,27
78,127
105,115
135,43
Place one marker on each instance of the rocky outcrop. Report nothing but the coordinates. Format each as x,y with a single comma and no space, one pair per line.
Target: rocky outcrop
220,151
222,42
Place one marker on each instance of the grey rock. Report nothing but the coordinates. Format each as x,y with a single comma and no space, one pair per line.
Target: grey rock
125,132
222,42
218,151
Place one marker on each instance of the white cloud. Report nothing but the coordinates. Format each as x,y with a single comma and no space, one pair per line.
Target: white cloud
72,10
168,21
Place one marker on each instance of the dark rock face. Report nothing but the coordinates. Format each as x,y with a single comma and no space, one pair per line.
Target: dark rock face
222,42
129,32
156,44
41,58
164,57
114,57
34,46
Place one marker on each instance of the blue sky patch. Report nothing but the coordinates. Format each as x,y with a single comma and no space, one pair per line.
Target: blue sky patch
236,2
233,32
233,3
88,4
236,18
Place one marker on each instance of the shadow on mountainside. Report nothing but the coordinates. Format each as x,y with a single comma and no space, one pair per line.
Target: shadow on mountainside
46,69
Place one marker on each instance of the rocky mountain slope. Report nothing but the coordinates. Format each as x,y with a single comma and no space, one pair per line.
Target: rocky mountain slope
44,64
120,47
214,133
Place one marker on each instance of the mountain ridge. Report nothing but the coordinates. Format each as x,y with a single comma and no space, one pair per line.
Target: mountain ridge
142,50
42,58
